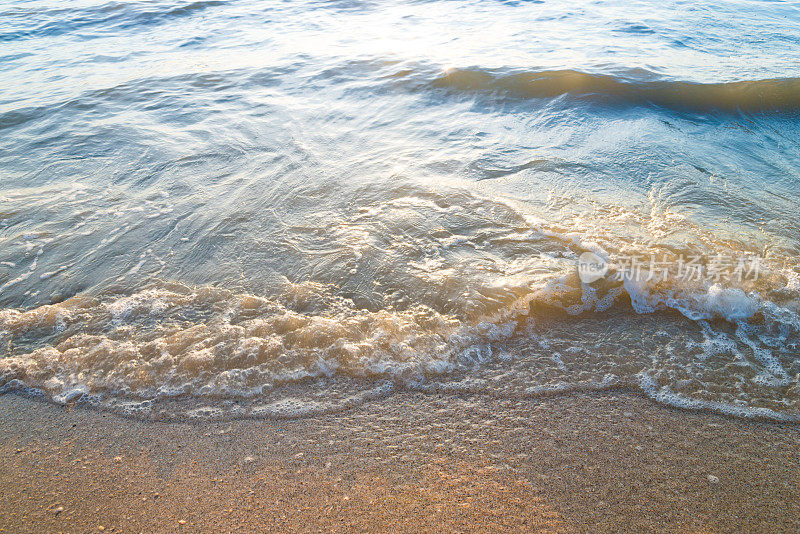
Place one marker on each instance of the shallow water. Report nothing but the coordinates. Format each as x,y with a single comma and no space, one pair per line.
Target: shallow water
241,208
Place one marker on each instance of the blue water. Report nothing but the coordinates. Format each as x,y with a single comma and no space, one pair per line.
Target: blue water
274,208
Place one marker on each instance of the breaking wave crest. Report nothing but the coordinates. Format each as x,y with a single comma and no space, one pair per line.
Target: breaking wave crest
641,88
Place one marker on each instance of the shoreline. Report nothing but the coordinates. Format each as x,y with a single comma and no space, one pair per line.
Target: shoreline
582,462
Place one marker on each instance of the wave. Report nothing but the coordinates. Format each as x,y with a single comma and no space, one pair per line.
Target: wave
771,95
637,88
172,351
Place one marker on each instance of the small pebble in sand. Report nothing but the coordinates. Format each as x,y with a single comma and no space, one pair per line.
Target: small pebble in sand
712,479
101,528
58,509
181,522
249,459
118,459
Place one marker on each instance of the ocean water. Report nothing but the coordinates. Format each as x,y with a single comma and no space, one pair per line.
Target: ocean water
241,208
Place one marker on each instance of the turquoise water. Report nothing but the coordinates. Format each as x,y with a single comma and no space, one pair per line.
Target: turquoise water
249,208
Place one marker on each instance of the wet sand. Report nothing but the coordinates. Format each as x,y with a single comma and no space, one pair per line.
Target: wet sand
408,462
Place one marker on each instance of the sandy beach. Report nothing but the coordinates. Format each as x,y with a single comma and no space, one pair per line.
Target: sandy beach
409,462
